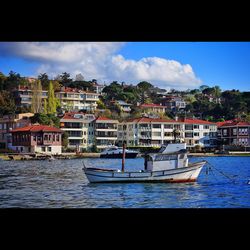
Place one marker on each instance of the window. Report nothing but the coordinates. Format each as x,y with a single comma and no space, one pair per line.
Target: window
49,149
196,126
177,126
43,149
156,125
167,134
188,127
205,134
46,137
196,134
168,126
188,135
206,127
224,131
234,131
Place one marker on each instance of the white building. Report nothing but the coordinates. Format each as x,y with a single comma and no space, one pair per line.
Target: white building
154,132
105,132
80,128
75,99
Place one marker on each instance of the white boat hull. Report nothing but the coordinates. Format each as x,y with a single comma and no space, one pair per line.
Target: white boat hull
185,174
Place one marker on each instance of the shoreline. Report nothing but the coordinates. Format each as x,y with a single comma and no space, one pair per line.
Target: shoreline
68,156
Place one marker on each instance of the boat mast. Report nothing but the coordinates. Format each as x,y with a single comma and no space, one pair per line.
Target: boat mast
123,155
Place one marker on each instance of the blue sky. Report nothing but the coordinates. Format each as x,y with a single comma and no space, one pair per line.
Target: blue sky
179,65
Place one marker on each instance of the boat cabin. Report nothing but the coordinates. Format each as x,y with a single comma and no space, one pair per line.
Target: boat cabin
170,156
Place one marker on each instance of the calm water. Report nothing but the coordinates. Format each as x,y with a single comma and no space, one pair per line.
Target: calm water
62,184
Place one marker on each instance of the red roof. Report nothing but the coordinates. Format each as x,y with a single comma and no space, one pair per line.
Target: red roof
185,121
37,128
103,118
148,120
196,121
235,123
151,105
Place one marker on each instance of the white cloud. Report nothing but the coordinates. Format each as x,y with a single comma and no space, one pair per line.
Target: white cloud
100,60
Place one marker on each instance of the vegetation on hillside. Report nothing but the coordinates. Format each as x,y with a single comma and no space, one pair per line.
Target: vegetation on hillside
209,103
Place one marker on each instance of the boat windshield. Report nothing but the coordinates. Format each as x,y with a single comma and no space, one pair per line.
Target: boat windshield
162,149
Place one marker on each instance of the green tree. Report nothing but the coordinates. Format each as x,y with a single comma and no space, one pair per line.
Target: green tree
217,91
45,106
46,119
100,105
7,103
13,80
36,101
2,81
65,140
144,89
65,79
44,80
51,100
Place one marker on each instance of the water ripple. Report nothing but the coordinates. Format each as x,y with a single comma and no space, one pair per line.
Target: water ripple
62,184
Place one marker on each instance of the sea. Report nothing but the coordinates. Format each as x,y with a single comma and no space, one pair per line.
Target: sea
223,183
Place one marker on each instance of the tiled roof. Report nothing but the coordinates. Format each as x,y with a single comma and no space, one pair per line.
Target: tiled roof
149,120
235,123
103,118
185,121
196,121
37,128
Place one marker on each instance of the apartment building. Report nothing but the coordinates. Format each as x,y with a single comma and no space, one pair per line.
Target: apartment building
72,99
37,139
234,133
10,122
23,96
80,129
105,132
154,132
199,132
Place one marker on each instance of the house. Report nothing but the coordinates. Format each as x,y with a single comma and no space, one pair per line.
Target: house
105,131
125,107
37,139
174,103
234,133
151,107
80,129
10,122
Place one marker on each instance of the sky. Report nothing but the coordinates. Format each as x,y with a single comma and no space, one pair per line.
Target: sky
178,65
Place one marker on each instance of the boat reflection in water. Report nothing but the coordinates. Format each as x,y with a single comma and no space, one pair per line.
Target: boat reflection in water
170,164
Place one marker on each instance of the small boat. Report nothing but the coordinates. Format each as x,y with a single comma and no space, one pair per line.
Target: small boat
116,152
170,164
